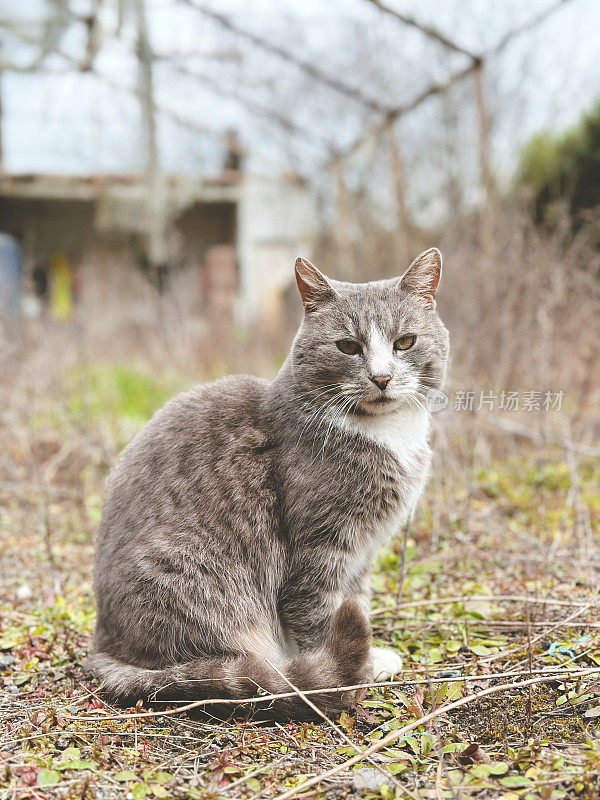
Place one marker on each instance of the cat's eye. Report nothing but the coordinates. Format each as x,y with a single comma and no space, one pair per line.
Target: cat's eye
405,342
349,347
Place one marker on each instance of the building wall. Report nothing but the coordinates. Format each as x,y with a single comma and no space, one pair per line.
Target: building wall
47,226
268,221
275,226
204,225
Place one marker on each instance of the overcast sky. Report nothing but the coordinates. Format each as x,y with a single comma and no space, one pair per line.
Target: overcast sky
59,120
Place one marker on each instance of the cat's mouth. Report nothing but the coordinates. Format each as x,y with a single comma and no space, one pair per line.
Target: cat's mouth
382,400
369,405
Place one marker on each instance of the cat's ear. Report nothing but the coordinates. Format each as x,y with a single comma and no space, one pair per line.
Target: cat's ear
313,286
423,275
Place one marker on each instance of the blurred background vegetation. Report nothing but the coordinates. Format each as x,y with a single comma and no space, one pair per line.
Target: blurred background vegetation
163,162
562,173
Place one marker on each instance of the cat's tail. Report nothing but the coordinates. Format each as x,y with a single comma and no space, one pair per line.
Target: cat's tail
343,661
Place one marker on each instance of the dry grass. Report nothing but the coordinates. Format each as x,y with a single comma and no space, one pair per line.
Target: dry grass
498,617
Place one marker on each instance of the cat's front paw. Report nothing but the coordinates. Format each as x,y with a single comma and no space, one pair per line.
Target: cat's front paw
386,663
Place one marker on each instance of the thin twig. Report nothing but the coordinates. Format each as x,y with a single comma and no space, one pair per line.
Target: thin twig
44,525
516,624
305,65
537,637
525,432
456,793
401,573
432,33
332,724
548,674
399,732
480,598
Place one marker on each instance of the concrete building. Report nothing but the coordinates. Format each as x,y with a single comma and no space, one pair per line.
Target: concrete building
241,231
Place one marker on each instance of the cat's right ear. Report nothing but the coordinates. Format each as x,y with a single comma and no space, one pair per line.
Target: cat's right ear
313,286
423,275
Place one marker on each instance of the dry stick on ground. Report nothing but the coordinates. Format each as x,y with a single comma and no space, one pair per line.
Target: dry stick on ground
548,675
529,662
542,635
517,624
331,724
253,774
480,598
356,687
401,574
44,526
443,767
583,527
394,735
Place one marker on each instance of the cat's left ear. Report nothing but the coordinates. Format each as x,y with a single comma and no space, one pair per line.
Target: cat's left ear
313,286
423,275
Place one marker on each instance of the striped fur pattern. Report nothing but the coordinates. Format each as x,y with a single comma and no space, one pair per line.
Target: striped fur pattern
240,524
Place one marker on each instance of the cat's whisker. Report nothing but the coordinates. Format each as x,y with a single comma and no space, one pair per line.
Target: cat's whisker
325,415
324,389
333,420
413,400
320,389
345,409
320,415
315,402
316,412
330,408
417,397
352,405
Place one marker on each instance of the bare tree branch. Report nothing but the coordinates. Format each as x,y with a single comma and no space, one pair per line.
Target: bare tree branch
382,124
439,88
449,44
164,111
256,108
432,33
306,66
536,20
388,113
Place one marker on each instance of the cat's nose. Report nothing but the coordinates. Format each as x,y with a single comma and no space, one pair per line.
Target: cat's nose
381,381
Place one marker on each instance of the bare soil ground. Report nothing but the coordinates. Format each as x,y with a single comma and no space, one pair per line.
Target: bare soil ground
495,612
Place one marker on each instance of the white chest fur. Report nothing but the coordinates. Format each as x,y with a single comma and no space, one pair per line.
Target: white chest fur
406,435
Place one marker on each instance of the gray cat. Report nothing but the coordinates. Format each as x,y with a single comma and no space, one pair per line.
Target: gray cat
240,524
